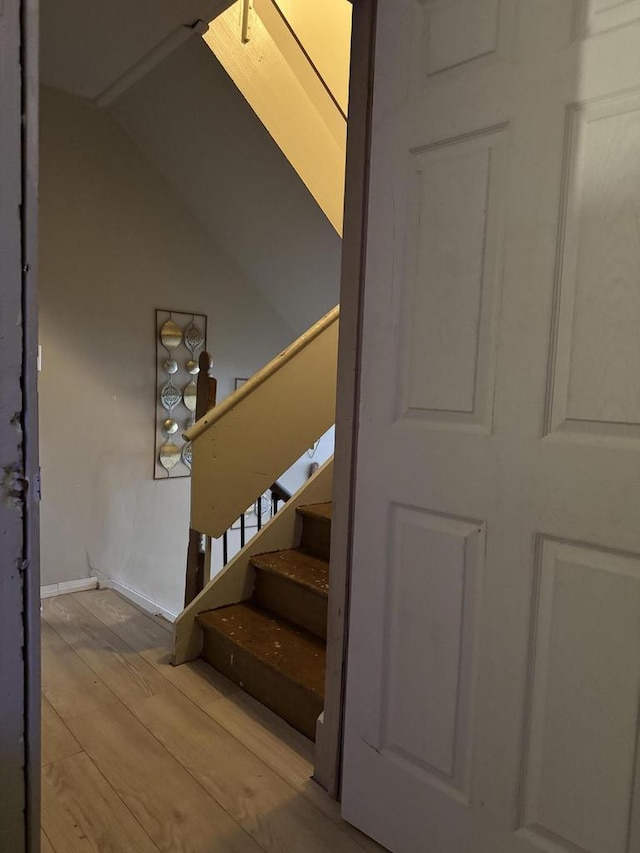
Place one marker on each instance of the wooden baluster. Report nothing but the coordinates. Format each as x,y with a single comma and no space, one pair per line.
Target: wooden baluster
205,399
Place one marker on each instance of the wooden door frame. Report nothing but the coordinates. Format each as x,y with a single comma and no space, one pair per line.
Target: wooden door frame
19,493
328,764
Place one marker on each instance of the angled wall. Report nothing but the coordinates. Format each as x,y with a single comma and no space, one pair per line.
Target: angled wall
117,242
197,128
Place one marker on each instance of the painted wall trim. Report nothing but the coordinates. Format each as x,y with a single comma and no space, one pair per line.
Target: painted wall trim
82,584
137,598
66,587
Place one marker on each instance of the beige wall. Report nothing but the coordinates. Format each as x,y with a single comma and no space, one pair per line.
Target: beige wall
324,30
115,244
190,119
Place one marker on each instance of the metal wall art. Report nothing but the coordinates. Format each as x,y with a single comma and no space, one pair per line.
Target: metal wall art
180,338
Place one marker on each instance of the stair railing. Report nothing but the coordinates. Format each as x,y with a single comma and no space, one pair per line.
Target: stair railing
240,449
277,494
234,583
244,444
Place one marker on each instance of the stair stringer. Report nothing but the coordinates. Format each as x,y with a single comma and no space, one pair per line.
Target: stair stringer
235,582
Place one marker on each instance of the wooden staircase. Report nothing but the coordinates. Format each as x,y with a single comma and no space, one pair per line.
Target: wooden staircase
273,645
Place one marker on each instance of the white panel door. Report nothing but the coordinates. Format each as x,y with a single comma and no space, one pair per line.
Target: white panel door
494,661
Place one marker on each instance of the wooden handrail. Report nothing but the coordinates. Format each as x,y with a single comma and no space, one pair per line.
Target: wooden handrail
261,376
244,444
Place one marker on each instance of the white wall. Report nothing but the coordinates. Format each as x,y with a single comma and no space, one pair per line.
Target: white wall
116,243
190,118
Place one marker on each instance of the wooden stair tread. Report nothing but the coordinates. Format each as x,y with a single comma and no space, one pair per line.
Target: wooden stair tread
322,510
298,566
274,642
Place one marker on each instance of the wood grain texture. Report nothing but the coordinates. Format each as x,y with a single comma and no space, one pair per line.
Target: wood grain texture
57,740
172,807
45,844
82,812
269,809
277,663
153,643
129,676
284,750
169,776
67,682
134,627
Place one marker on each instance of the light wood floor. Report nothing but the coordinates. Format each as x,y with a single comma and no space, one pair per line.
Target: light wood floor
139,756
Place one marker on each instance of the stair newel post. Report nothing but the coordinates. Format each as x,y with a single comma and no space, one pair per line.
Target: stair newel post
199,548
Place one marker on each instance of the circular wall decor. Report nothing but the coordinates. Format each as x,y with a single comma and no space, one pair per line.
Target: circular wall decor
180,339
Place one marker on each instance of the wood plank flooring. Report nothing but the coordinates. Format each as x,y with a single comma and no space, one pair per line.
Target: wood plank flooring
140,756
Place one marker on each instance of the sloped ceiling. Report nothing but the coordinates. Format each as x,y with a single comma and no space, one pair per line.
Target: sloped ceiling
192,122
190,118
86,45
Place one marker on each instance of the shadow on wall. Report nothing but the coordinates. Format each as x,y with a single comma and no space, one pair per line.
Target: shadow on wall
194,124
291,480
117,242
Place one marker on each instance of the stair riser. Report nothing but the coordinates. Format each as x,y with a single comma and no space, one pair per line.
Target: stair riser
300,707
292,601
316,536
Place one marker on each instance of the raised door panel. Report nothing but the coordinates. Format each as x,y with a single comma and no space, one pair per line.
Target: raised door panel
595,376
581,747
428,672
453,280
602,15
473,722
451,34
463,31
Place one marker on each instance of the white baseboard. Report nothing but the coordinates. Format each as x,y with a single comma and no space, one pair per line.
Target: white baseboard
136,597
66,587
